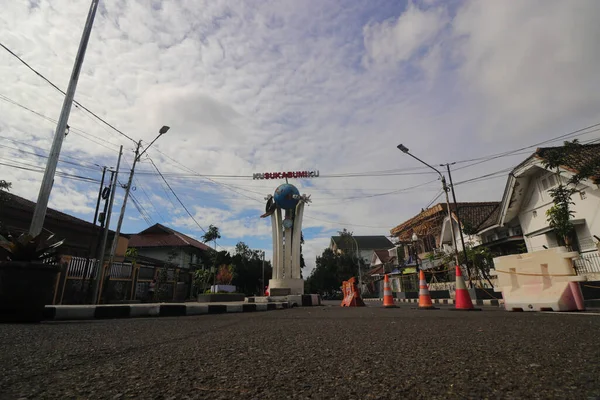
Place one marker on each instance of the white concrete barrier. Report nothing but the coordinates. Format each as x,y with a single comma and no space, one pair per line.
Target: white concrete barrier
540,281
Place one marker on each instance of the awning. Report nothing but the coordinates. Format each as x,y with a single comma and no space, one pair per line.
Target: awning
549,228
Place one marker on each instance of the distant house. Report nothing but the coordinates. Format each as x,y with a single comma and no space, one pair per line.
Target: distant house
527,199
384,261
366,245
162,243
432,227
80,236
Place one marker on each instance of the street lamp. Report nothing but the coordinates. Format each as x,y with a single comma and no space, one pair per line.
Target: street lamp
415,239
404,149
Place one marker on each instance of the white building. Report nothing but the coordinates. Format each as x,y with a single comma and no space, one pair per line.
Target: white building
527,198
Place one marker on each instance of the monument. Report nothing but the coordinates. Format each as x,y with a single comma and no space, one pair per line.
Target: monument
286,209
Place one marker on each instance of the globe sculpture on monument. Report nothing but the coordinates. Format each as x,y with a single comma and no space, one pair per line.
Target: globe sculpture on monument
286,209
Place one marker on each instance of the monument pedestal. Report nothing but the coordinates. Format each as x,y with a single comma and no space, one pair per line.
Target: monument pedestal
295,286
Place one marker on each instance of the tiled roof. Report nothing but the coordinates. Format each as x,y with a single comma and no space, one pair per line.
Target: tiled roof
161,236
383,255
473,214
577,158
367,242
491,220
17,202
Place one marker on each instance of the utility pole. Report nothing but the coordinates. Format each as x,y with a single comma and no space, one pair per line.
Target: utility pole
87,261
462,240
138,155
106,229
405,150
124,205
263,273
41,206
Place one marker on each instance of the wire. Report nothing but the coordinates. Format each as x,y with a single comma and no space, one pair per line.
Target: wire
149,200
434,199
143,213
177,197
345,224
34,168
60,90
45,156
83,133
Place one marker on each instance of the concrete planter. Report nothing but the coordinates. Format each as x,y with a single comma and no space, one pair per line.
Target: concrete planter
25,289
221,297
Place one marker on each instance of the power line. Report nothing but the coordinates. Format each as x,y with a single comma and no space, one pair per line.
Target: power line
45,156
34,168
42,149
60,90
177,197
83,133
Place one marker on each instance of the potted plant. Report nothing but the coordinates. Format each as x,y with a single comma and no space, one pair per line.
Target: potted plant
27,276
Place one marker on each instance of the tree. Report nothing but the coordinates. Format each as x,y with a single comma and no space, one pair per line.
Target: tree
302,262
4,187
330,271
560,214
248,269
211,235
225,275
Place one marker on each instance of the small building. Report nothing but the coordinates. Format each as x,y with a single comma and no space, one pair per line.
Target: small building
162,243
80,236
384,260
366,245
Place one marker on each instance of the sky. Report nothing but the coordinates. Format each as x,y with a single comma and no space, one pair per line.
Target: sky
265,86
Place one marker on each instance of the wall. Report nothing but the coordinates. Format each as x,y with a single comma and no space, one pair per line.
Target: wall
538,200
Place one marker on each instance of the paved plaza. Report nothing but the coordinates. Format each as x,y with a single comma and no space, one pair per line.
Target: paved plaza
325,352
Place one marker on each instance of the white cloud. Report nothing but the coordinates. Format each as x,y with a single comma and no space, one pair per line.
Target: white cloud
398,39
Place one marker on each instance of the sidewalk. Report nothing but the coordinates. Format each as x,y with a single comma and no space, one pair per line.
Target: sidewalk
107,311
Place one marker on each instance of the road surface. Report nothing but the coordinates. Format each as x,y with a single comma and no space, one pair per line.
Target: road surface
324,352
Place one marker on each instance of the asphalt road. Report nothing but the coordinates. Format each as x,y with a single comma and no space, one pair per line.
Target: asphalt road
318,353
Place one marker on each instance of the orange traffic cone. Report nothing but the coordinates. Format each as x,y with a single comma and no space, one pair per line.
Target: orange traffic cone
424,296
388,298
462,300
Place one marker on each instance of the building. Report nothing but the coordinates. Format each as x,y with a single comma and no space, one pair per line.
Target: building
384,261
80,236
366,245
433,233
527,199
162,243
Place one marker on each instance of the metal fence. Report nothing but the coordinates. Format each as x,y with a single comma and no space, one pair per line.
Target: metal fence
122,282
587,263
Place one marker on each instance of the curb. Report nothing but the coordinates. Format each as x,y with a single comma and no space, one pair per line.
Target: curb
294,300
477,302
80,312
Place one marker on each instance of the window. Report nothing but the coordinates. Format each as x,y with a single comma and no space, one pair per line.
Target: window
582,195
549,182
534,214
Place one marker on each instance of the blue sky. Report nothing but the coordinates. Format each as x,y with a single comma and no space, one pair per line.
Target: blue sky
287,85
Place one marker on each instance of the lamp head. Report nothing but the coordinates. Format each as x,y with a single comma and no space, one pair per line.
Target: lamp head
402,148
415,237
163,130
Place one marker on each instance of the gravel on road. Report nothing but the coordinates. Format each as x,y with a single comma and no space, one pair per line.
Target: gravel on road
324,352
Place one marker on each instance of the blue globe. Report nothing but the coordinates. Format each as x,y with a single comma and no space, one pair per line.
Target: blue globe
284,196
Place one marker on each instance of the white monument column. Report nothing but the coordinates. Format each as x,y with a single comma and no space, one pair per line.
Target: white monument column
296,241
276,228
